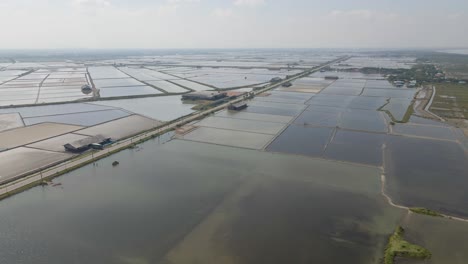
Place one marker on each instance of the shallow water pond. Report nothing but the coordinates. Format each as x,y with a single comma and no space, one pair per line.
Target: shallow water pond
427,173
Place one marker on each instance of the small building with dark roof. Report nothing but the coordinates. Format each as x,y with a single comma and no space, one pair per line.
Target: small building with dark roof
276,80
238,106
204,95
84,144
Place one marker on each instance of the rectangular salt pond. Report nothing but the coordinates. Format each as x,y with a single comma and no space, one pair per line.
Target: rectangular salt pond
19,90
435,178
357,147
58,109
342,90
128,91
60,99
140,74
278,99
318,118
272,110
14,97
309,141
331,100
192,85
159,75
63,94
164,108
285,106
10,121
349,83
16,102
364,120
80,119
253,126
241,139
121,128
22,160
394,93
26,135
326,109
308,89
290,95
56,143
435,132
254,116
368,103
107,72
168,87
61,89
379,84
425,121
106,83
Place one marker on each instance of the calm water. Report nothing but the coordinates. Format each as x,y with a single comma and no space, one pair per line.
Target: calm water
185,202
446,239
365,148
164,108
303,140
427,173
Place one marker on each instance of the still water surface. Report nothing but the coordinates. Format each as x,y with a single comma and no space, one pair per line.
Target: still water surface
234,205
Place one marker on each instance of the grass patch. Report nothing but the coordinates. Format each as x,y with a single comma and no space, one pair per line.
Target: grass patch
425,211
398,247
451,100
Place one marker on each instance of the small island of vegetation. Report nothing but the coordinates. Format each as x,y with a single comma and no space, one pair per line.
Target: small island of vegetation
398,247
425,211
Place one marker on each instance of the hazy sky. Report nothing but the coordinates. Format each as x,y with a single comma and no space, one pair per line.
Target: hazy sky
233,23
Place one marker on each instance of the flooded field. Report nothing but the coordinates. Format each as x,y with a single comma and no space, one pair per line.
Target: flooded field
154,107
436,132
21,160
168,87
254,126
242,139
296,177
123,91
434,177
254,116
121,128
9,121
25,135
42,86
81,119
302,140
201,203
365,148
445,239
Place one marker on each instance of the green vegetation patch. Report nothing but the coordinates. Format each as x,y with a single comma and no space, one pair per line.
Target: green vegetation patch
451,100
425,211
398,247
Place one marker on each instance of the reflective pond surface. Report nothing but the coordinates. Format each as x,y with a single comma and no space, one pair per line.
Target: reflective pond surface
183,202
435,176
